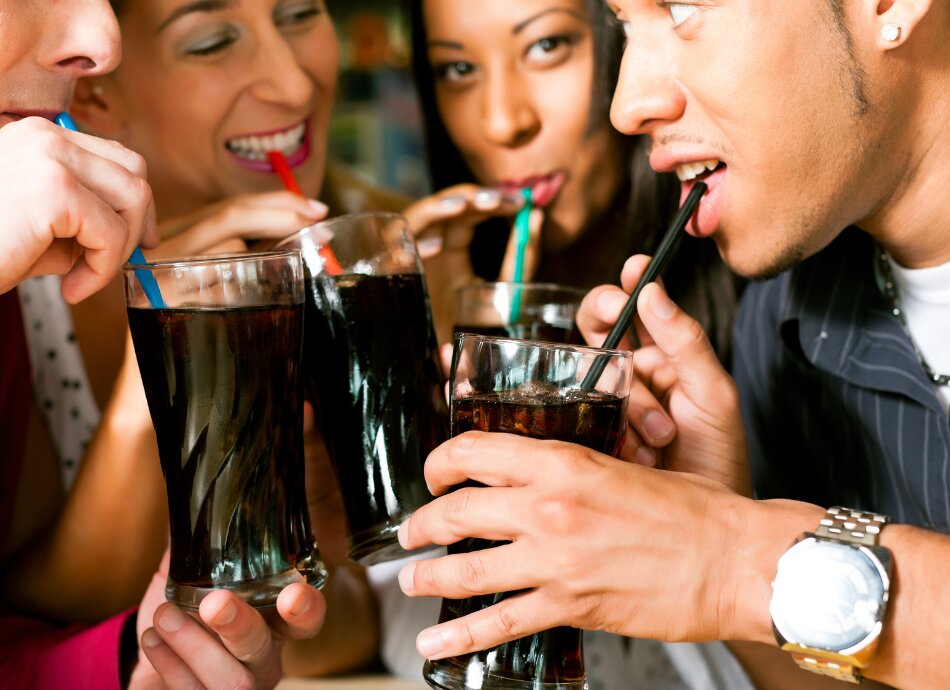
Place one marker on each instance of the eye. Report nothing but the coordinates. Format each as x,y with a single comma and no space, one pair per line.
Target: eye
550,49
299,13
212,44
454,72
680,11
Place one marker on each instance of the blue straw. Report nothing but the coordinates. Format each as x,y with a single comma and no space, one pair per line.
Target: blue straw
146,279
522,234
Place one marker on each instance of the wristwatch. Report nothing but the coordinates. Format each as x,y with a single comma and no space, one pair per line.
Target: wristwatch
830,594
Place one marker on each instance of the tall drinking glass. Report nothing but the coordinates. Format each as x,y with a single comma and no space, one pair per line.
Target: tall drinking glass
220,362
371,367
531,389
529,311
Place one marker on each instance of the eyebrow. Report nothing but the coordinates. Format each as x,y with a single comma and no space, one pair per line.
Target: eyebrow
515,30
197,6
521,26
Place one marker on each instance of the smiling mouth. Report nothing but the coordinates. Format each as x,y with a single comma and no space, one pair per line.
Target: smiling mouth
255,147
697,170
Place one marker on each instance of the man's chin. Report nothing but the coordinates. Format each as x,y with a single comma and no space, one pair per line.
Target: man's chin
762,266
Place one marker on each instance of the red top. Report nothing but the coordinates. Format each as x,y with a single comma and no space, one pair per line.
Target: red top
33,654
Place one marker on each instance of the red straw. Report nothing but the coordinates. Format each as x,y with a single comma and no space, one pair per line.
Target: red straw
277,161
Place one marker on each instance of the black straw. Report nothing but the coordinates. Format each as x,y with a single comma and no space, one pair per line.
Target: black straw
662,257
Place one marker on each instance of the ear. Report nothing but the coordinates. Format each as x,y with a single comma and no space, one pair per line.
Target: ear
897,19
97,107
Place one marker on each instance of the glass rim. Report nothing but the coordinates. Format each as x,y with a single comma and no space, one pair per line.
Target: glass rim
207,259
392,215
543,344
554,287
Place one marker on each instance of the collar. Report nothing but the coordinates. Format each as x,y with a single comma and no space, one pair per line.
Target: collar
836,318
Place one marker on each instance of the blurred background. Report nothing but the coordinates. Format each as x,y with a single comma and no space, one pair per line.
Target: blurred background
376,128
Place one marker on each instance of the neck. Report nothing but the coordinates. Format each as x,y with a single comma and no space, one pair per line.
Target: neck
913,224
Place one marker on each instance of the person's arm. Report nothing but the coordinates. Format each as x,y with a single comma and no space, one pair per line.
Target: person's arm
603,544
113,527
71,204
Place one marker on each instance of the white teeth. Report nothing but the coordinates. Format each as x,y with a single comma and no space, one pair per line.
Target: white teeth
256,148
690,171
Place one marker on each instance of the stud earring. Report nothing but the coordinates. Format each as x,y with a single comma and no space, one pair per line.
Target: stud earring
891,32
98,90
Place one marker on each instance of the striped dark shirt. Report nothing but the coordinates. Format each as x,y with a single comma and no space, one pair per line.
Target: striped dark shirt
836,404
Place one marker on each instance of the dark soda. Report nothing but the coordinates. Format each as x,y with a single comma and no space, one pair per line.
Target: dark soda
371,367
551,658
224,392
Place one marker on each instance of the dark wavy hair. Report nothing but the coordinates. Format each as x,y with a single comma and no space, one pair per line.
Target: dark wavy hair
697,278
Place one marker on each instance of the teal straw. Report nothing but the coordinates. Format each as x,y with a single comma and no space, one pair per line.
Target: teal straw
146,279
522,234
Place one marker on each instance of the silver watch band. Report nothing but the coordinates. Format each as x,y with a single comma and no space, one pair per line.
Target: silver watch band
859,528
851,526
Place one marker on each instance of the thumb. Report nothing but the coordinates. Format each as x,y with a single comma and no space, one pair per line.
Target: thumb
684,343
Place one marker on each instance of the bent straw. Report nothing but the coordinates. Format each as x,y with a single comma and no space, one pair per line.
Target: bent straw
522,235
145,278
277,161
663,254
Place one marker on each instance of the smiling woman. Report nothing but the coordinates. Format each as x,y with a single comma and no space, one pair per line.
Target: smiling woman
205,90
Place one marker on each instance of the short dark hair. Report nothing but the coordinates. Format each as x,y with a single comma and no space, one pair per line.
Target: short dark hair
856,73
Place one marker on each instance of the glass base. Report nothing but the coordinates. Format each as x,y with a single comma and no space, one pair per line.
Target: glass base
378,546
449,674
260,594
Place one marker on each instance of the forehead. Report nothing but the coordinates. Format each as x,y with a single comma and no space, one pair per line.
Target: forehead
474,19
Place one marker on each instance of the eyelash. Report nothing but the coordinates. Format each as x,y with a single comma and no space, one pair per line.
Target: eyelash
692,9
214,44
553,42
298,16
442,70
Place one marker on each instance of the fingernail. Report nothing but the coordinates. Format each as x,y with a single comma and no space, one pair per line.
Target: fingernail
319,206
429,246
429,643
611,301
488,198
452,201
171,620
516,199
225,614
406,583
150,639
645,456
403,534
300,606
657,425
661,305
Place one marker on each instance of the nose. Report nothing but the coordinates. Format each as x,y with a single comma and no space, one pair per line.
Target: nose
281,79
508,115
80,39
648,94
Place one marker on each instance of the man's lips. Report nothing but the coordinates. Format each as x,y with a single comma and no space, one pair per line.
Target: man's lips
705,221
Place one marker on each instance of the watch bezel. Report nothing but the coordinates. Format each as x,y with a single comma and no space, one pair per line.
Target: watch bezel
881,559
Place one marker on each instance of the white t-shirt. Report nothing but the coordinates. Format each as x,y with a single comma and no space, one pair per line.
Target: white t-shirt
612,662
924,295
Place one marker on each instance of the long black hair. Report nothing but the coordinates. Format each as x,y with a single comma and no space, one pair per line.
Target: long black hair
697,278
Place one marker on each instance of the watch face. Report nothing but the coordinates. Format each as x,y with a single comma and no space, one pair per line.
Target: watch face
826,595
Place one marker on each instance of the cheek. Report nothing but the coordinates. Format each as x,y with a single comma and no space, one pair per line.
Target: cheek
461,115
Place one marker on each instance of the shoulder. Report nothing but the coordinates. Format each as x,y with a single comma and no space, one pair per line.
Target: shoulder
344,191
